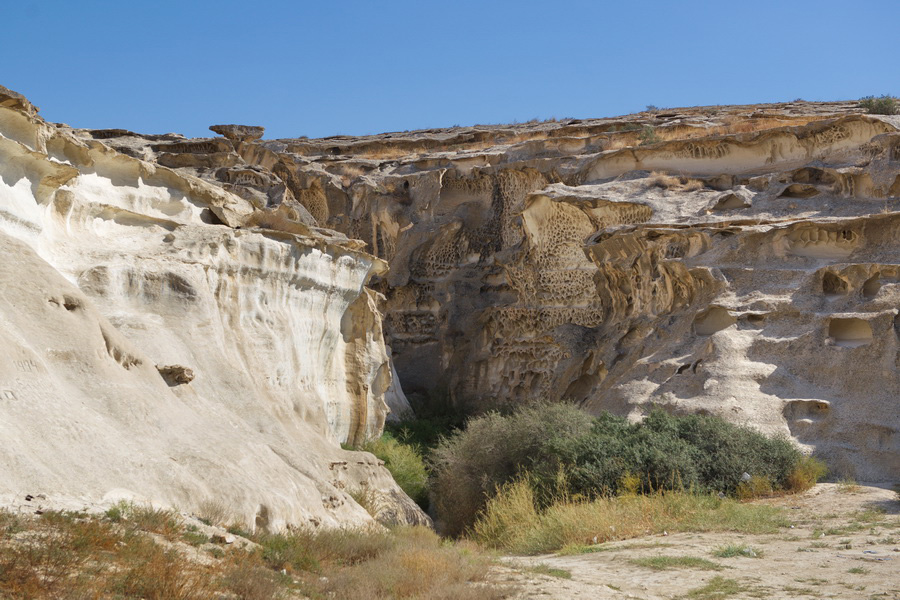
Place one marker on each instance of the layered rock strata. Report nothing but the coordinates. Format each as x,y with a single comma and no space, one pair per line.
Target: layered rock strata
172,341
739,261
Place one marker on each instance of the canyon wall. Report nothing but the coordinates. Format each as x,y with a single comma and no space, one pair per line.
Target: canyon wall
161,342
738,261
192,320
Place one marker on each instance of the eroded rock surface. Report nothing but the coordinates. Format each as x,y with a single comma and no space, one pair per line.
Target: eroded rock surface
743,263
168,340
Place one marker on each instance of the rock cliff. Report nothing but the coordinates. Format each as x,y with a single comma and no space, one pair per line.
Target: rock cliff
191,318
163,342
740,260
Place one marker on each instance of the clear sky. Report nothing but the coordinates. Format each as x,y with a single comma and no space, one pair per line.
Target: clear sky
355,67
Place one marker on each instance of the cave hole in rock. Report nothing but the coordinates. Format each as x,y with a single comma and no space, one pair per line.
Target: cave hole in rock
798,190
807,411
812,175
730,202
756,319
334,150
262,517
209,217
871,286
834,285
67,302
713,319
850,332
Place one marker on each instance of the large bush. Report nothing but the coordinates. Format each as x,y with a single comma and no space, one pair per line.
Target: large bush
691,452
884,105
469,465
563,453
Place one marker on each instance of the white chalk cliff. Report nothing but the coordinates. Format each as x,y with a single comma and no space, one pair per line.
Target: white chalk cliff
150,351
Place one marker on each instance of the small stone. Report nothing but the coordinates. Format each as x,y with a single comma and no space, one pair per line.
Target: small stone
176,374
222,538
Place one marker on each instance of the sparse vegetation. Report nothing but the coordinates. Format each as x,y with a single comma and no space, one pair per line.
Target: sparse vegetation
847,486
648,135
545,569
617,127
514,522
119,555
194,537
214,512
434,417
664,563
882,105
718,588
733,550
405,463
805,474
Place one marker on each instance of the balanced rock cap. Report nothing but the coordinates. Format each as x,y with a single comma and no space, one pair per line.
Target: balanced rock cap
239,133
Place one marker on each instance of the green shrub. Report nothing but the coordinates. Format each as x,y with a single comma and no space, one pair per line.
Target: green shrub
405,464
468,466
648,135
884,105
691,452
569,456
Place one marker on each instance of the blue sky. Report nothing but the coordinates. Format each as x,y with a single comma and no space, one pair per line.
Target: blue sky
356,67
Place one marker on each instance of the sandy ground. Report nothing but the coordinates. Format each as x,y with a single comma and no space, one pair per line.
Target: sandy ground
844,543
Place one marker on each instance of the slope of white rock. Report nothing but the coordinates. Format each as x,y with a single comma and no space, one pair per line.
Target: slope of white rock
150,351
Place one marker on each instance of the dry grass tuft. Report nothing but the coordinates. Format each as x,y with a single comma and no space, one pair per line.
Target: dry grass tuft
665,563
214,512
805,475
418,565
513,523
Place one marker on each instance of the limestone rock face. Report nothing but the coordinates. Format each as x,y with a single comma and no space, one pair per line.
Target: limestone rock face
740,261
194,319
168,340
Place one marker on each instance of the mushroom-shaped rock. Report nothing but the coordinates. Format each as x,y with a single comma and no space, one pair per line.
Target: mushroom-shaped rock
239,133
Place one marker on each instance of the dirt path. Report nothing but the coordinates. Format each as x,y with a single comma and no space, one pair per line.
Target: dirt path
844,543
